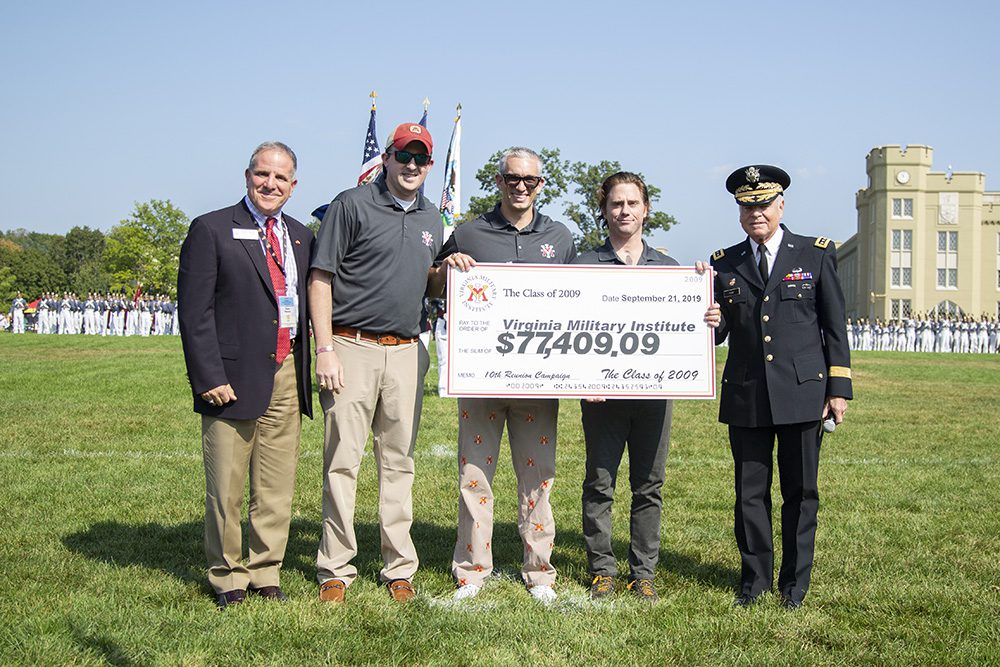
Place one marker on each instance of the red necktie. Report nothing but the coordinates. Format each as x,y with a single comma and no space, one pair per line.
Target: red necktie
278,281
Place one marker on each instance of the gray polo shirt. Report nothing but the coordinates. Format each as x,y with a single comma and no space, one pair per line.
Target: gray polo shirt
606,255
379,255
490,238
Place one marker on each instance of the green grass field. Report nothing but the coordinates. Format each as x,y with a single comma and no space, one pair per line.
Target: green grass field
101,500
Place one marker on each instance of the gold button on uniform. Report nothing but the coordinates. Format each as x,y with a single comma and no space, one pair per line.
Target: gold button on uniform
765,318
770,357
767,298
820,376
798,296
274,321
273,357
767,339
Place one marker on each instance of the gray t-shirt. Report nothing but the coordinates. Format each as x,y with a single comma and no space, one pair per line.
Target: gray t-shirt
379,255
490,238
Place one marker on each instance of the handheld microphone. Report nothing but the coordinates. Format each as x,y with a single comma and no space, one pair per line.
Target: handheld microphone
829,424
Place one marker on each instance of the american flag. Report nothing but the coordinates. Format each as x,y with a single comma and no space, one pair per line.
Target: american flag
451,196
423,123
371,162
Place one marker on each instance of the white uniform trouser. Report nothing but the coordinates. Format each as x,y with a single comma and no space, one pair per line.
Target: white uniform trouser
441,338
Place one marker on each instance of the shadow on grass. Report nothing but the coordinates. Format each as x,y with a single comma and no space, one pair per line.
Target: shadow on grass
572,557
107,650
177,550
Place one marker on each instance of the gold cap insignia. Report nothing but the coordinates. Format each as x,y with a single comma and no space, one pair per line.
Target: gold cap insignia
753,174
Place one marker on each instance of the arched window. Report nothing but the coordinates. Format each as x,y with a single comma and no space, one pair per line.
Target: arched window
948,308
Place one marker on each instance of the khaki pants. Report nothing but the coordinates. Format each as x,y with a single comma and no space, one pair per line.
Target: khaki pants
268,446
531,430
380,395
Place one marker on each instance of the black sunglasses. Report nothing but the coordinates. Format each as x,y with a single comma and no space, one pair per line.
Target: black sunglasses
530,182
404,157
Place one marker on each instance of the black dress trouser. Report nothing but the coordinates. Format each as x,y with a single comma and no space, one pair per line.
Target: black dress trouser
798,467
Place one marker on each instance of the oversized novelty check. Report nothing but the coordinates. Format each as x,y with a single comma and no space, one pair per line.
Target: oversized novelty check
563,331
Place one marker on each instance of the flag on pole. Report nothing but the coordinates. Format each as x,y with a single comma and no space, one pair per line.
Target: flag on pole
451,197
423,123
371,161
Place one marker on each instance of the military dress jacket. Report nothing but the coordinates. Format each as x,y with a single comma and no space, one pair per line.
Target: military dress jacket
788,346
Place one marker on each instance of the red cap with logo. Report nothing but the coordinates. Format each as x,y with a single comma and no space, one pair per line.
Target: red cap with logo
407,132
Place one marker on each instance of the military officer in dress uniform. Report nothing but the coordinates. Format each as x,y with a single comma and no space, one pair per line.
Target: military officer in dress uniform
788,368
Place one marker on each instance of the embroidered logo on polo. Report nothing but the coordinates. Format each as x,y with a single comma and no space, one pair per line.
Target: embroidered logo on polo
548,250
427,238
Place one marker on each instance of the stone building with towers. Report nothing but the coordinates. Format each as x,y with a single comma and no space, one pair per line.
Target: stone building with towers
927,241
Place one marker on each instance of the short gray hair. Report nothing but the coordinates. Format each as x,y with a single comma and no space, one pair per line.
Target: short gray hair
518,152
274,146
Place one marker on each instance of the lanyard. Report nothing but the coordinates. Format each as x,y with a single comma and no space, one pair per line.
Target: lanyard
265,245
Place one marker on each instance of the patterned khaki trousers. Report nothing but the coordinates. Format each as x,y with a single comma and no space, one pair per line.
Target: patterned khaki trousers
531,429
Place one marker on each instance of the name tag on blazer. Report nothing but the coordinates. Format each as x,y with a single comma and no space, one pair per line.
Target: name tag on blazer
247,234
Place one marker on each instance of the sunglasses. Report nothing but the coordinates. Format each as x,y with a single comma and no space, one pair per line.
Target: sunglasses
404,157
530,182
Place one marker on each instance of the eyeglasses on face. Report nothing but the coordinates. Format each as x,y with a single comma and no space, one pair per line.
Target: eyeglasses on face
530,182
404,157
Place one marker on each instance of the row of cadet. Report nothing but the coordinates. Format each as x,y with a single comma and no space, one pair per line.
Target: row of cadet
97,315
934,333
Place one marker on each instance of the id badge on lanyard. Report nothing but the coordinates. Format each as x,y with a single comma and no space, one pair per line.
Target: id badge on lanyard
288,311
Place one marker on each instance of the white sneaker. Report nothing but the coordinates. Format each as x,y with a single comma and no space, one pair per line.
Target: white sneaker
543,594
467,591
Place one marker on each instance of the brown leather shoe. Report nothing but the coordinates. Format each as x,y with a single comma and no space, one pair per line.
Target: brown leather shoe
332,590
401,590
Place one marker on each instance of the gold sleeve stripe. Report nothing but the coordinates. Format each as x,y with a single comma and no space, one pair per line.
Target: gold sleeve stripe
840,372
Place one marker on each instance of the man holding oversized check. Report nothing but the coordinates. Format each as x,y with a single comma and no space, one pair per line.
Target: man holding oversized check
513,233
642,424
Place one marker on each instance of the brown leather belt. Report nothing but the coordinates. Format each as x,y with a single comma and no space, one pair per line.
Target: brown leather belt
381,339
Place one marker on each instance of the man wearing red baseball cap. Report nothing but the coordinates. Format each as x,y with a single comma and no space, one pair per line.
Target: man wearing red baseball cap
366,286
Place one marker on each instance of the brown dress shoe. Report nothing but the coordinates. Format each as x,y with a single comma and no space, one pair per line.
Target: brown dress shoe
332,590
401,590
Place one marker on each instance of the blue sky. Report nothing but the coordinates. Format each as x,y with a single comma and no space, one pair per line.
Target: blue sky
109,103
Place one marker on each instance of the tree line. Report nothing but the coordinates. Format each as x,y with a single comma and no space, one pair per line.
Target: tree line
145,247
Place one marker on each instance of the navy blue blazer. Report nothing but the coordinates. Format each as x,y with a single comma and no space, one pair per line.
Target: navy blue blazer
228,313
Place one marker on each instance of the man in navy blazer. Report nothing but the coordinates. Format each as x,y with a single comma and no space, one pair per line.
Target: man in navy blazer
244,327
